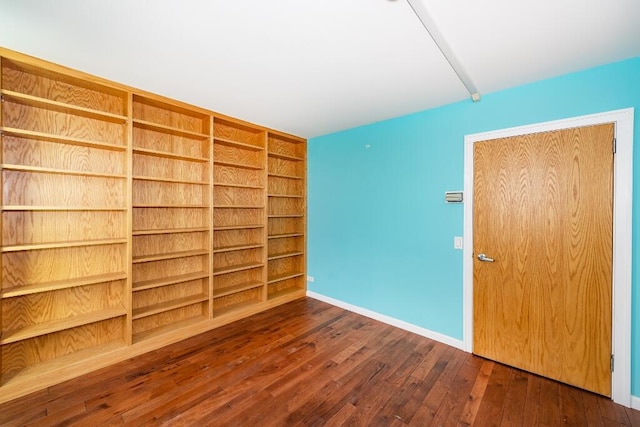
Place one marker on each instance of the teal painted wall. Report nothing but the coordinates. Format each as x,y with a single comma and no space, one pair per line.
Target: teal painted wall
380,234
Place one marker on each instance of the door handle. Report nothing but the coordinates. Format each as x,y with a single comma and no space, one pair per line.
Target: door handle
485,258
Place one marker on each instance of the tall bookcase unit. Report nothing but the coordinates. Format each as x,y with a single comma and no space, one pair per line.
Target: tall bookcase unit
286,215
131,221
171,217
239,217
64,219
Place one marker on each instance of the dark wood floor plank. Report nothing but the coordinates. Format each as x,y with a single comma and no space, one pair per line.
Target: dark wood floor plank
342,416
550,398
634,416
60,417
472,405
29,407
491,407
513,412
310,363
450,410
437,392
533,404
592,410
572,406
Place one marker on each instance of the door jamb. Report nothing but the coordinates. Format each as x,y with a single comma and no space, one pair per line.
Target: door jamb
622,226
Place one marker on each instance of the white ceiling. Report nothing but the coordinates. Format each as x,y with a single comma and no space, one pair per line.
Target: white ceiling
314,67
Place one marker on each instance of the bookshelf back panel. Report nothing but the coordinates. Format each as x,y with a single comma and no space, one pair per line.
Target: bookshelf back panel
279,185
171,292
38,189
286,167
169,193
197,310
170,267
225,281
231,175
52,122
168,115
34,309
225,153
59,88
46,154
22,354
237,132
33,267
227,238
286,225
286,265
286,147
251,295
232,258
285,285
286,206
160,167
164,218
288,244
160,141
164,243
237,216
29,227
233,196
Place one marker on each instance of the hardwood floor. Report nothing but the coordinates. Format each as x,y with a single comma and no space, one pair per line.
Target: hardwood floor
309,363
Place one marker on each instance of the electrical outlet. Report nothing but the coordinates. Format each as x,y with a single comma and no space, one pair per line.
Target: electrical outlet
310,279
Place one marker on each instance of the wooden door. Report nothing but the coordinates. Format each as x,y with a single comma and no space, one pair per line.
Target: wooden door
543,210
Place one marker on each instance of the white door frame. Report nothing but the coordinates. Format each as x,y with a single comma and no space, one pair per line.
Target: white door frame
622,197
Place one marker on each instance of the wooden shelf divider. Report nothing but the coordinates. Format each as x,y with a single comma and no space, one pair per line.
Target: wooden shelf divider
237,267
58,325
143,124
139,313
237,288
285,255
17,291
34,101
166,281
67,244
62,139
169,231
36,169
284,276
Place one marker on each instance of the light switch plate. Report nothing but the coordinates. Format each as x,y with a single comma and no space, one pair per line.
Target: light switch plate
457,242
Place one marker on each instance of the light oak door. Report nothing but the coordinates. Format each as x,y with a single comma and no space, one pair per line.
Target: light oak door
542,216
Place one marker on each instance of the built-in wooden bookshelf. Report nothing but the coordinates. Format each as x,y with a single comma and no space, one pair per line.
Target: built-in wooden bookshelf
239,272
286,192
131,221
64,217
171,216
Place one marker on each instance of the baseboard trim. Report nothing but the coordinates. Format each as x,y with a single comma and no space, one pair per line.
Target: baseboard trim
635,402
436,336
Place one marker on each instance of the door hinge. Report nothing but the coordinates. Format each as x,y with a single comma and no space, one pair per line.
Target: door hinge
614,145
612,362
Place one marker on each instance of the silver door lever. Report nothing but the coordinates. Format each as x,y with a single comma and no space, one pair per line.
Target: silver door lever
485,258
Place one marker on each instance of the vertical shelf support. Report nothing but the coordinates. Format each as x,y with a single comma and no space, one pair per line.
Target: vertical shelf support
1,215
129,192
210,216
265,218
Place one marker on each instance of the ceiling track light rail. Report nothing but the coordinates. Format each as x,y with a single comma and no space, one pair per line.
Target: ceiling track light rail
429,24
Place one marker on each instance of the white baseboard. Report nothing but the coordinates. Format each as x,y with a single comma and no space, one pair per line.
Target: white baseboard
459,344
635,402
